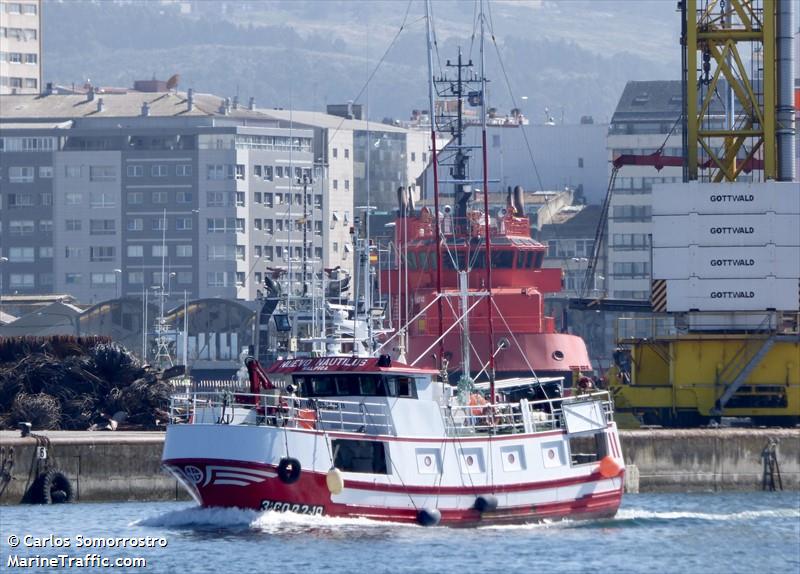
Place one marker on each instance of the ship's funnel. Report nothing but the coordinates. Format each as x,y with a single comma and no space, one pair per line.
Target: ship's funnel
519,200
402,202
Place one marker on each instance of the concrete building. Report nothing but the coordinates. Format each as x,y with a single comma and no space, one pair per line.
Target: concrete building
20,46
359,155
572,156
102,193
644,119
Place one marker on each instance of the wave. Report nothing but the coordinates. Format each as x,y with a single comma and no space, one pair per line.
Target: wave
640,514
266,521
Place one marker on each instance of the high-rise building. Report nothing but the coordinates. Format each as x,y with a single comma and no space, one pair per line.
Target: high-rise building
109,194
20,46
646,118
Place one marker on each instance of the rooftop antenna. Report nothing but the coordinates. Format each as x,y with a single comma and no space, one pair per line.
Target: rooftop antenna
163,356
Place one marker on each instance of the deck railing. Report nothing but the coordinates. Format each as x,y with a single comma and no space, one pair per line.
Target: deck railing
284,411
514,418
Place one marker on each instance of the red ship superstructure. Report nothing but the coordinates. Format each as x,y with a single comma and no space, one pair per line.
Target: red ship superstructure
525,338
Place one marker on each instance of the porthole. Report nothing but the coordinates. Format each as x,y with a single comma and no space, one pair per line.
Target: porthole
558,355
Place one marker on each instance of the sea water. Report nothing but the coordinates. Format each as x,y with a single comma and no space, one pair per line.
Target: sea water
652,533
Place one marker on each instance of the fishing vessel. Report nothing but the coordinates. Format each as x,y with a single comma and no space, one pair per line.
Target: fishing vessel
368,437
365,434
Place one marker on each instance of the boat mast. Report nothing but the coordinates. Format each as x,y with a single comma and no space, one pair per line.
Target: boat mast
487,231
434,163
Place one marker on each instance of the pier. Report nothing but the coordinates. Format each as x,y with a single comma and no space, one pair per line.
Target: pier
122,466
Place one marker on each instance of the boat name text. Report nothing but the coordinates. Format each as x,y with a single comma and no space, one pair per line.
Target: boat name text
278,506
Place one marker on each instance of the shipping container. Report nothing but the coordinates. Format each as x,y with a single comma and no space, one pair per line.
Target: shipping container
732,230
733,295
726,198
726,262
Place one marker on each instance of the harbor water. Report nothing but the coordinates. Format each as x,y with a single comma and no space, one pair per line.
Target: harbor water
686,533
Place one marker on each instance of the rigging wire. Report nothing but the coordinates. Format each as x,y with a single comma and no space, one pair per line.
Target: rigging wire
379,64
514,102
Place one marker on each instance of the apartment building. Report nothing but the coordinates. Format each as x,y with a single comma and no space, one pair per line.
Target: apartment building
20,46
646,118
114,194
365,163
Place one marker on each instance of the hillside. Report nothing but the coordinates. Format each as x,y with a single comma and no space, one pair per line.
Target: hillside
571,56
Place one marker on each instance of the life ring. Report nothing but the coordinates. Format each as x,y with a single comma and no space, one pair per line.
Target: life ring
289,470
54,488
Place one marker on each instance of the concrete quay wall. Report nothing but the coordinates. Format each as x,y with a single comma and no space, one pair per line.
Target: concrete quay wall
119,466
685,460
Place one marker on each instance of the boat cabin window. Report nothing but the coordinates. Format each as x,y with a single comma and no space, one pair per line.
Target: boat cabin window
357,385
411,261
502,259
360,456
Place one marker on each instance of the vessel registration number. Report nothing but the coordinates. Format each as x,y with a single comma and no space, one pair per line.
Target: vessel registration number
278,506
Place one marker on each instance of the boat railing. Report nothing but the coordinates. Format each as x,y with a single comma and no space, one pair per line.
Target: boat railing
285,411
517,418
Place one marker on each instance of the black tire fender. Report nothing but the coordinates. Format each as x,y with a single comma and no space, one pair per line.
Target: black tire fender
289,470
56,488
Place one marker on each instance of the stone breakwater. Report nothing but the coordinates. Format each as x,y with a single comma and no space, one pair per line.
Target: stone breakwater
118,466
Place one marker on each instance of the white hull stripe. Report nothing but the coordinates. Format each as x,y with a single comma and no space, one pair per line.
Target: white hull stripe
399,500
235,475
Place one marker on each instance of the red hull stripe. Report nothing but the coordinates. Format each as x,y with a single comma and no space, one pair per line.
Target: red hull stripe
595,476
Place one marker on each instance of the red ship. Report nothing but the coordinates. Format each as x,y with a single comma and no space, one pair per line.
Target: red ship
525,339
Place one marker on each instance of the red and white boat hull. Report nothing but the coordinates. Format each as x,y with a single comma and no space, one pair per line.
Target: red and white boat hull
530,476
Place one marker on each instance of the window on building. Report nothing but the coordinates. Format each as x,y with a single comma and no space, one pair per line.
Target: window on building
413,156
135,198
268,226
268,173
257,224
46,252
240,171
102,173
101,253
240,278
335,184
216,279
183,250
135,251
346,152
73,198
20,174
21,227
183,170
102,199
135,277
135,224
46,199
72,224
239,225
257,170
103,279
45,225
257,197
72,171
46,171
159,170
159,251
183,223
159,224
18,200
240,252
218,199
335,153
240,199
135,171
102,227
268,252
184,197
73,278
347,184
21,254
184,277
21,280
160,197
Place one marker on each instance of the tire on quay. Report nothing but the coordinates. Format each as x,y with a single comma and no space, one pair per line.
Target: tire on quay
52,487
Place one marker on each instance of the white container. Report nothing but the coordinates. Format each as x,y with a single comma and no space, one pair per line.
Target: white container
736,295
726,262
734,230
726,198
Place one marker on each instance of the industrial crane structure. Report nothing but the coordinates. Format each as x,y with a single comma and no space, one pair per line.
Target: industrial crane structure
723,340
